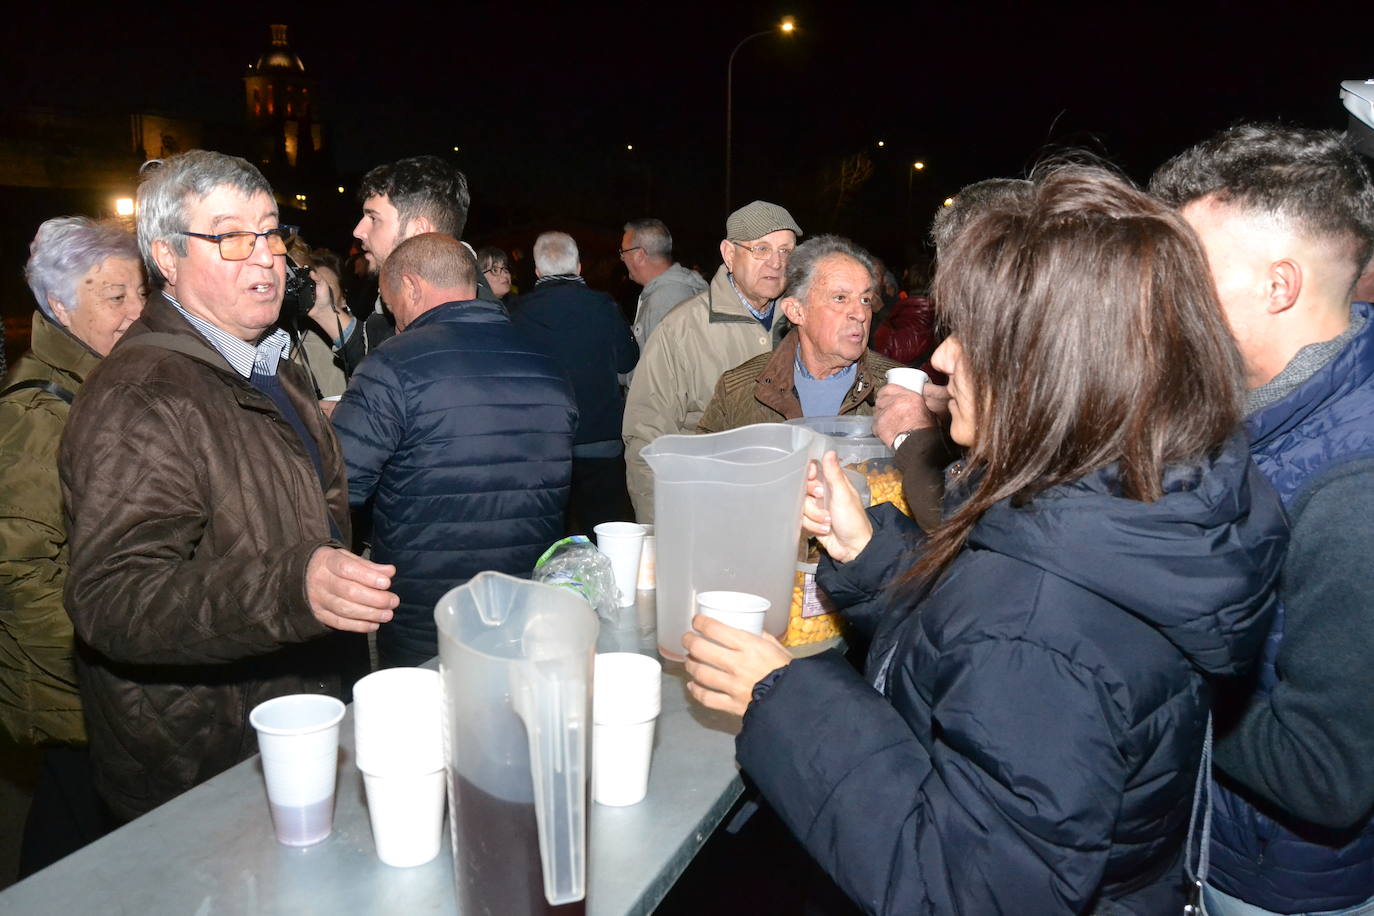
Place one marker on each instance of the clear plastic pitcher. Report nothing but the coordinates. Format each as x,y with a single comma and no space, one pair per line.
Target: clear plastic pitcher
727,513
515,661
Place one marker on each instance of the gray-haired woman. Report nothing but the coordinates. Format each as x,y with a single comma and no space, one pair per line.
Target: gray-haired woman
87,278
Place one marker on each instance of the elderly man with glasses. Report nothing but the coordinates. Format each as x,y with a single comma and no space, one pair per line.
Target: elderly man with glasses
823,367
206,502
646,249
732,321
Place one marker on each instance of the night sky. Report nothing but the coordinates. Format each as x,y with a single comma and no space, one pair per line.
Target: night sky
544,100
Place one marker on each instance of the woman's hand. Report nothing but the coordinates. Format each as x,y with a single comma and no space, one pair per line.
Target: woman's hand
839,521
726,662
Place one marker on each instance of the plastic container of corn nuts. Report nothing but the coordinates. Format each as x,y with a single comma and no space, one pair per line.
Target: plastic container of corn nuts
858,449
812,617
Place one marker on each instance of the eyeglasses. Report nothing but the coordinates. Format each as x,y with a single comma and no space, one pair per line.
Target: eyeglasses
625,251
764,252
497,270
238,246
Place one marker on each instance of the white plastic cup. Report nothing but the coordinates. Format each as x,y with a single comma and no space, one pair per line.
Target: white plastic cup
626,699
905,377
648,561
623,542
298,736
407,813
397,723
738,609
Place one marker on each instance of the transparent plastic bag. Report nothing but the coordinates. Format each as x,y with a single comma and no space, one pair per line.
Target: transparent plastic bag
574,563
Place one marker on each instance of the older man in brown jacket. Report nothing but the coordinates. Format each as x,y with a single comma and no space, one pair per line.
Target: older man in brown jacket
823,367
206,503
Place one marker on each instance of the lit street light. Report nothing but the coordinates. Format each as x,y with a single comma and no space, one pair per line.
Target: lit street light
787,26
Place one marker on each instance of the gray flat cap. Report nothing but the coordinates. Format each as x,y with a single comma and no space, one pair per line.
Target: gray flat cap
754,221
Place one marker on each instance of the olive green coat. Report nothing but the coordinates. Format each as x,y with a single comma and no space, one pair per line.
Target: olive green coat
39,700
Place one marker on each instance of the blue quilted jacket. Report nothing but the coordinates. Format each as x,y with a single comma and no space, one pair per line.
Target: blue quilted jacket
458,434
1322,430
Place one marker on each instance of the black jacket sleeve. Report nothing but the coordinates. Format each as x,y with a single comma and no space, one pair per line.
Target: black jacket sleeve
865,588
354,348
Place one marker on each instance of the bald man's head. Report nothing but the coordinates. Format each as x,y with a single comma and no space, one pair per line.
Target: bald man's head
426,271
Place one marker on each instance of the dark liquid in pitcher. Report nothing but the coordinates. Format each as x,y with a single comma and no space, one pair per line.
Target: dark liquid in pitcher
498,867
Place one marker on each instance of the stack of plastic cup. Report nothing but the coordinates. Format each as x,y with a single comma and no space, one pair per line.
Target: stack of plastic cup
738,609
298,736
623,542
626,696
399,749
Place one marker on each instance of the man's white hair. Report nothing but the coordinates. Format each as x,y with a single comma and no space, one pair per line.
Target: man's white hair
555,253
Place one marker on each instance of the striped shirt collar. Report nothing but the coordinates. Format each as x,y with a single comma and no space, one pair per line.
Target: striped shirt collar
241,355
761,316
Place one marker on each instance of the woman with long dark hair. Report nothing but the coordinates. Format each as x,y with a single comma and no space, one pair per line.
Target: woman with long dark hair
1027,734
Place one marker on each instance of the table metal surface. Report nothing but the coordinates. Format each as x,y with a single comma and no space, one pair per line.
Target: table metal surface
211,850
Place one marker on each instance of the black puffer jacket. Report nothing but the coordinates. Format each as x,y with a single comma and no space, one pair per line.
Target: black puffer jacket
1035,741
459,434
193,509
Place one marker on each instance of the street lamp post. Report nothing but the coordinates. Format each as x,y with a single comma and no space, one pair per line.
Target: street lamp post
916,166
786,26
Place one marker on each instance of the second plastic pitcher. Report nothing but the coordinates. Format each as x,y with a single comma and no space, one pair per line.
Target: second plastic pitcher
727,513
515,662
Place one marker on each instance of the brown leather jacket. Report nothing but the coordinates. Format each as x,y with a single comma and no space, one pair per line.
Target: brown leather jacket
761,389
193,510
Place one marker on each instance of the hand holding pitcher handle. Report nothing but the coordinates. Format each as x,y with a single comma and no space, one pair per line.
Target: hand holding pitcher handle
832,511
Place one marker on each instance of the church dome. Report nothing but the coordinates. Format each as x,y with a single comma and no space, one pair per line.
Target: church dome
278,55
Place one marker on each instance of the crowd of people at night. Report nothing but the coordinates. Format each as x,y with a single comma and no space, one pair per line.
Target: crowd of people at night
1113,660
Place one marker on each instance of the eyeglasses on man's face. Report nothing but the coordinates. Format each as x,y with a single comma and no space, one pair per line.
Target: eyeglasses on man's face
764,252
625,251
238,246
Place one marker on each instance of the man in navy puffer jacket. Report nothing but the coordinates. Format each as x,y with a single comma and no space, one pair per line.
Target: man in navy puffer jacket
459,434
1287,218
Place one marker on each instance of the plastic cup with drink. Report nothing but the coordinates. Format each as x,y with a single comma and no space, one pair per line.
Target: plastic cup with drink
298,736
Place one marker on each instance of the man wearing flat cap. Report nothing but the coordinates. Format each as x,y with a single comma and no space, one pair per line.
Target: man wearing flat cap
732,321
